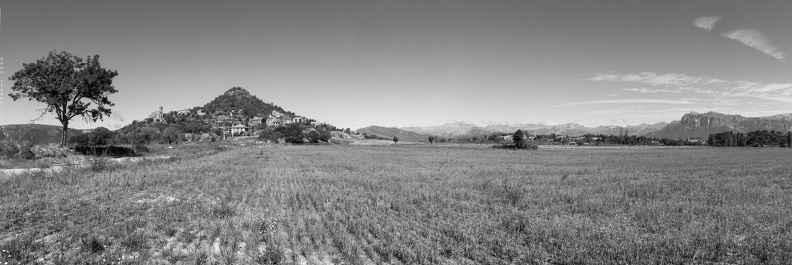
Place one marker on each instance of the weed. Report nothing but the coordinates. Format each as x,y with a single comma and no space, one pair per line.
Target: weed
99,164
224,209
513,194
134,241
271,255
93,245
201,259
20,250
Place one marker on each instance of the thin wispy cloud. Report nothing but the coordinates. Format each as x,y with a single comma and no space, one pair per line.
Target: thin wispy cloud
706,22
703,85
631,101
650,78
755,39
647,90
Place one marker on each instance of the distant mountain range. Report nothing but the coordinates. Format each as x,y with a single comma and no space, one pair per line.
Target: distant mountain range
403,135
691,125
36,133
467,130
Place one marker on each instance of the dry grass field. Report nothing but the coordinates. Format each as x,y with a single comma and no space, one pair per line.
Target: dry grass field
414,204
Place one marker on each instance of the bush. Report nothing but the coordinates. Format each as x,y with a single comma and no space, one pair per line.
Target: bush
25,150
113,151
79,140
519,141
22,150
313,137
292,133
140,147
527,145
51,150
270,135
9,149
99,164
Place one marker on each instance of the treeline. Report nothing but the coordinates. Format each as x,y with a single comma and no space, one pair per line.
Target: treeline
752,139
601,139
297,134
587,139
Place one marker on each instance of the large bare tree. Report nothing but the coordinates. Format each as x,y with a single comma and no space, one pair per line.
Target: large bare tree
69,85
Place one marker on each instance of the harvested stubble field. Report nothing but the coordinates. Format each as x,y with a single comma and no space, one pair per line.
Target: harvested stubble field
410,205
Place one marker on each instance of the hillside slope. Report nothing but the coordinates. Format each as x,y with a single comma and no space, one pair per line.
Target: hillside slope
238,98
36,133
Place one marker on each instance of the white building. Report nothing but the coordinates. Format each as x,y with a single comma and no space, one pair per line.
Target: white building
255,121
238,129
157,115
297,119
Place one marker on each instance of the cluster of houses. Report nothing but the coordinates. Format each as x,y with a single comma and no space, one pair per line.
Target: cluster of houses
278,119
235,122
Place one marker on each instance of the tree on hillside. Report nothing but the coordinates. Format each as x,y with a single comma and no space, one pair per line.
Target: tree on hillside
100,136
395,139
172,135
270,135
292,133
68,85
313,136
432,139
324,133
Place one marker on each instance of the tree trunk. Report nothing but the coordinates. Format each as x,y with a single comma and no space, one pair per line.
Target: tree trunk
65,133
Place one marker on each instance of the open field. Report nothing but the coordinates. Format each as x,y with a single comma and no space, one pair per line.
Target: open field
413,204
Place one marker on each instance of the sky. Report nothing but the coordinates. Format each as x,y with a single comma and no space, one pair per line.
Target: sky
415,63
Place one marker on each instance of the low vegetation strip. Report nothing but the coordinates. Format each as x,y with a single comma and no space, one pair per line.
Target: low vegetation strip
49,169
411,205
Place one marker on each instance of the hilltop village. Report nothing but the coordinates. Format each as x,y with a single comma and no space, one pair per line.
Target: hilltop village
233,122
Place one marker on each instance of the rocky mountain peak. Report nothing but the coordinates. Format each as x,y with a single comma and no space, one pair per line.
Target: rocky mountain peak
701,125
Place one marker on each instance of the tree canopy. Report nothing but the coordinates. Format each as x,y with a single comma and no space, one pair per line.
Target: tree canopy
68,85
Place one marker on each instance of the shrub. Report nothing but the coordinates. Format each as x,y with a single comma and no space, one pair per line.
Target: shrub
22,150
25,150
79,140
140,147
292,133
113,151
99,164
270,135
313,137
512,194
9,149
519,141
51,150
